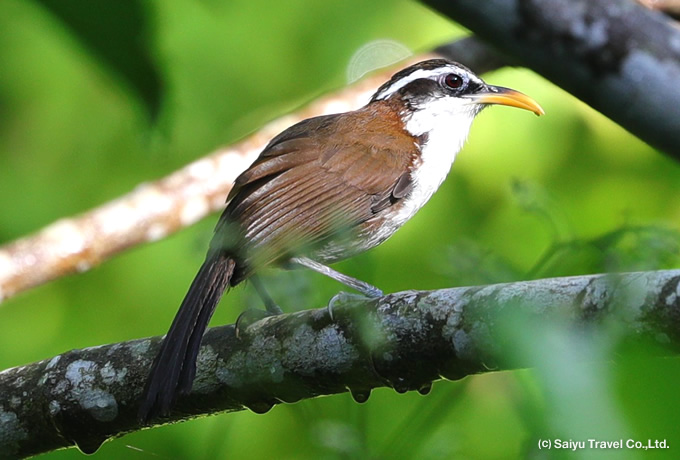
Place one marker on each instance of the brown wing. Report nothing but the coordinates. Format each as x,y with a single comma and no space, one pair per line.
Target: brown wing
304,189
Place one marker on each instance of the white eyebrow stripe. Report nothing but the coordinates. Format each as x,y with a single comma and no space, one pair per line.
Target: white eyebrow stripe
418,74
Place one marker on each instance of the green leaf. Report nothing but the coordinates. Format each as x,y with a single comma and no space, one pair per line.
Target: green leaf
117,34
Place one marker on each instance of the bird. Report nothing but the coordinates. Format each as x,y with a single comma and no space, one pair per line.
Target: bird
324,190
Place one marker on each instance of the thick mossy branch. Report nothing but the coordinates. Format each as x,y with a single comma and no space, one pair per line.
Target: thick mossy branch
405,340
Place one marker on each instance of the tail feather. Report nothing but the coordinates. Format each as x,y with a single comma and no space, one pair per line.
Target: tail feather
174,367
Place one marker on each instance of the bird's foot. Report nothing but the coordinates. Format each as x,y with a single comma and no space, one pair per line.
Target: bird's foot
252,316
347,298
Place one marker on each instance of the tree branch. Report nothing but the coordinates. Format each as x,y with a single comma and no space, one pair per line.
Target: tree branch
669,7
150,212
404,340
475,54
157,209
617,56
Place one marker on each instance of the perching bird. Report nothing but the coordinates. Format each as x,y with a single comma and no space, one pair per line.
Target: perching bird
325,189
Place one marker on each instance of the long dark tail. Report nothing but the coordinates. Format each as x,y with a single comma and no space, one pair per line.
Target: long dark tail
174,367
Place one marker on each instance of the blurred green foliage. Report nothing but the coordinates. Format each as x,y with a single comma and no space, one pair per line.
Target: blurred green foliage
567,194
116,33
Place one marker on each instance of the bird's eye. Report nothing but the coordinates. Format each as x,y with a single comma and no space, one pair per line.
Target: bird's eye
453,81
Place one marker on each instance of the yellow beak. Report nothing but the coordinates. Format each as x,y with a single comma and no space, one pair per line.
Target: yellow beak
506,96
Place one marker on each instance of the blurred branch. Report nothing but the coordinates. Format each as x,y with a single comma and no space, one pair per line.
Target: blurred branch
405,341
157,209
670,7
616,59
475,54
153,210
615,55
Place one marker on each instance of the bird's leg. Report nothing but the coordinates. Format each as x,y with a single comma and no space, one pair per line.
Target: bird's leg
251,316
366,289
269,303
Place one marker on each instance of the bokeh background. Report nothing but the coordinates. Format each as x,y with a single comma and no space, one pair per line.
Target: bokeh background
570,193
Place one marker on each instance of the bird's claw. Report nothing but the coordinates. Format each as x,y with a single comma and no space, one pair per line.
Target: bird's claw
248,317
346,298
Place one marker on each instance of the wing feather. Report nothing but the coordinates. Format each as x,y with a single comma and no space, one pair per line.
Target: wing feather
303,190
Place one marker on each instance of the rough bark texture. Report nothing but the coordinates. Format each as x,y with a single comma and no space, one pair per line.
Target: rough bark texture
405,341
617,56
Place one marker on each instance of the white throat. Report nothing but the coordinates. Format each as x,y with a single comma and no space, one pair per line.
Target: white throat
446,123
